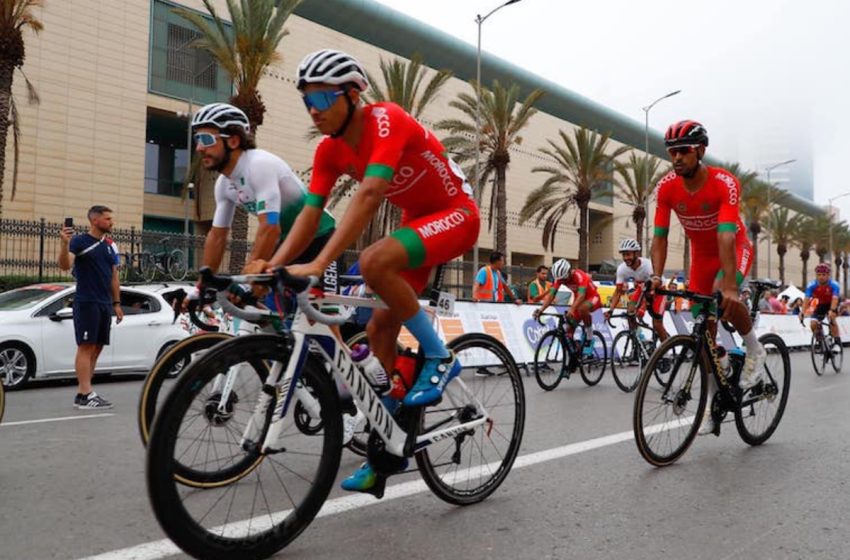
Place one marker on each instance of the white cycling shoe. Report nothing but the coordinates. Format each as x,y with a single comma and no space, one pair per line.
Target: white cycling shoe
350,424
753,369
707,425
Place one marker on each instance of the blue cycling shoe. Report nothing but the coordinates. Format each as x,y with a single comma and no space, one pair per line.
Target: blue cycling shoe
435,375
366,480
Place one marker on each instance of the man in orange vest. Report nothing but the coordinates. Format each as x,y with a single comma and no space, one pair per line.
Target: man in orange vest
540,286
489,284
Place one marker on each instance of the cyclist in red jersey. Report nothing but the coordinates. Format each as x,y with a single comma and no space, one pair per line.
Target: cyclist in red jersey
393,157
586,299
706,201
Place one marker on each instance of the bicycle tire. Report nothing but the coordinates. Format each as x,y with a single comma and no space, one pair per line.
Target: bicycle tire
589,366
161,370
543,372
819,356
449,489
687,349
147,267
776,383
626,352
176,265
837,358
275,530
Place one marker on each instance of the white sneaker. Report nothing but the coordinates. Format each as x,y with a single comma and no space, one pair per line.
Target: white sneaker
707,425
753,369
350,424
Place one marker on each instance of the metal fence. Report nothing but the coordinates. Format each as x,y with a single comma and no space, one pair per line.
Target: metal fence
29,251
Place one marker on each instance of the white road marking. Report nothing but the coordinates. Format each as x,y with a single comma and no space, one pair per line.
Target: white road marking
62,419
164,548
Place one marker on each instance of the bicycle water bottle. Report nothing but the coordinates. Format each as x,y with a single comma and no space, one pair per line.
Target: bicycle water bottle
371,367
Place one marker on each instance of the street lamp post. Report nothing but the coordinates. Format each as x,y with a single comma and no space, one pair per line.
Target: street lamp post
480,20
769,192
646,151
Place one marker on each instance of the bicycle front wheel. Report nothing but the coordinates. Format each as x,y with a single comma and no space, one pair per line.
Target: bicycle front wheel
467,467
147,267
666,419
593,366
167,367
763,405
177,265
837,357
550,360
627,361
819,354
264,510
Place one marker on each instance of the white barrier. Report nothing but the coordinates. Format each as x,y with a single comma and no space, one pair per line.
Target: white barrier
514,326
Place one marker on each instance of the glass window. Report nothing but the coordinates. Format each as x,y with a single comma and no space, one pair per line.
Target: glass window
135,303
23,298
165,153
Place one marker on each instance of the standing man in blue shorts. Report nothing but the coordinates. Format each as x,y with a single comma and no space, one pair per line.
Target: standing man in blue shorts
95,263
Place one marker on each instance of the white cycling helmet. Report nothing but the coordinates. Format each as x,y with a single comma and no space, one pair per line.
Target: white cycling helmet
560,269
220,116
328,66
629,245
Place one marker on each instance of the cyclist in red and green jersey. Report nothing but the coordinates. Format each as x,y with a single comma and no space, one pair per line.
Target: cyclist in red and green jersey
706,201
393,157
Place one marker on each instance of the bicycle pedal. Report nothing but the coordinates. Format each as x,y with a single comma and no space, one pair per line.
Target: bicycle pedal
378,488
272,451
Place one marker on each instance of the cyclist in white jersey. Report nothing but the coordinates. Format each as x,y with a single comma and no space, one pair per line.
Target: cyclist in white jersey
637,269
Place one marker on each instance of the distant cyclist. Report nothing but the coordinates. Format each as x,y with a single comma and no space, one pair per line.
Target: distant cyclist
826,291
706,201
585,300
639,269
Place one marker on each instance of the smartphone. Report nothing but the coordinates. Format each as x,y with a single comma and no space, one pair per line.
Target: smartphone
69,222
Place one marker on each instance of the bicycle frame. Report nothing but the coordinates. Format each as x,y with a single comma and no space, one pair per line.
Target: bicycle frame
317,338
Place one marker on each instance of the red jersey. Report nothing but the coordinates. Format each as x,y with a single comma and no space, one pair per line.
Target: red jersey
577,281
395,147
703,214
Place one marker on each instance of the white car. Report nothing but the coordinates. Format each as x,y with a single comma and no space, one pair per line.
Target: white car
37,332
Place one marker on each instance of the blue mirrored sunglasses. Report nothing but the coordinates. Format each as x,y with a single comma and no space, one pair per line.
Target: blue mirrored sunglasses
207,139
321,100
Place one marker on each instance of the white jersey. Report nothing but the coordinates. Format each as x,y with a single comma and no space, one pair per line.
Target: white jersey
262,183
638,276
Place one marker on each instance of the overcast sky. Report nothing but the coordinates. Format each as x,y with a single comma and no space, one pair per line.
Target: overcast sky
753,71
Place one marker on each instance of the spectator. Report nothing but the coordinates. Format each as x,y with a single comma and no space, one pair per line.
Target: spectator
796,306
783,304
773,301
489,284
98,295
844,309
540,286
764,304
747,298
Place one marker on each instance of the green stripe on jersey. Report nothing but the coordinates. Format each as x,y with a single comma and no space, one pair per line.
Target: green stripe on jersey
727,227
412,244
315,200
379,170
661,231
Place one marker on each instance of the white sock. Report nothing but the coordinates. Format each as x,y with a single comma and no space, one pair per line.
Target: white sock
750,339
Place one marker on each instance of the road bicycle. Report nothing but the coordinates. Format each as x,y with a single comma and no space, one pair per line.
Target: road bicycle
630,352
557,356
825,350
666,419
281,474
146,266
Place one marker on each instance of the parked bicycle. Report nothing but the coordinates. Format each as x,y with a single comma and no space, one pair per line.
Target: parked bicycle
146,266
280,472
557,356
825,350
666,420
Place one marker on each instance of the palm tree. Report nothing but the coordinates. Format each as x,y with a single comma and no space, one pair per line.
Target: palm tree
841,243
806,240
784,229
15,16
402,85
502,120
638,180
582,168
244,52
820,227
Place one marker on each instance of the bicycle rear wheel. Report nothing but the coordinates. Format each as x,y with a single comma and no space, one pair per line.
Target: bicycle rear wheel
550,360
762,406
627,361
593,367
262,511
666,419
172,362
176,264
468,467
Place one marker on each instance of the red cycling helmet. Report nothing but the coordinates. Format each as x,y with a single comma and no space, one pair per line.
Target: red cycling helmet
823,267
685,133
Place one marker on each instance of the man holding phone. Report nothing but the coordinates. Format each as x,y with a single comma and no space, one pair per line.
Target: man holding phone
95,263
